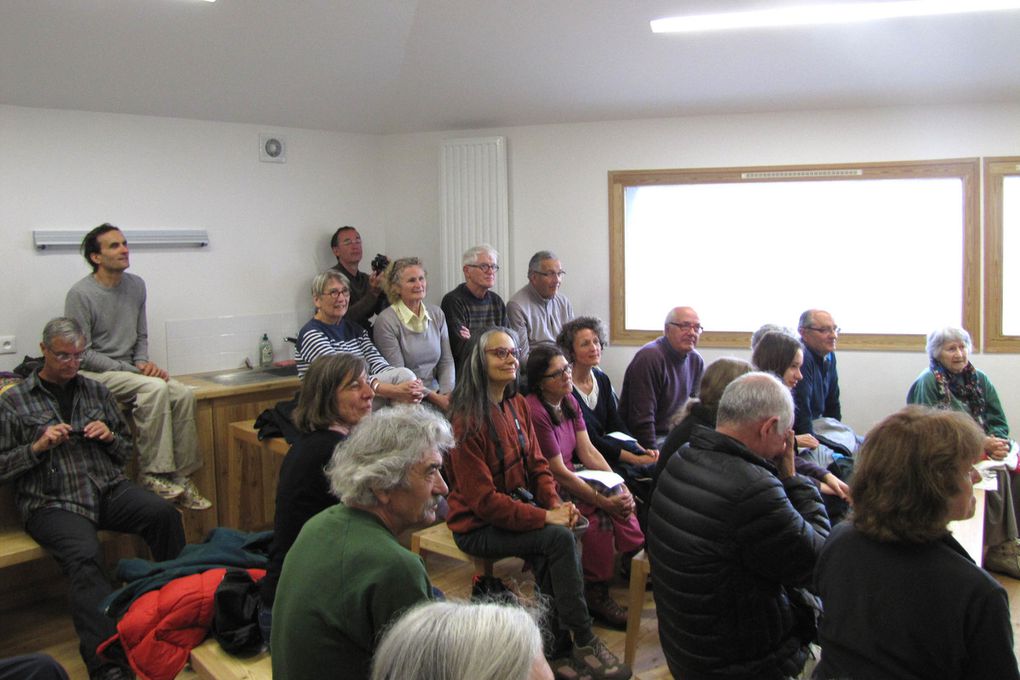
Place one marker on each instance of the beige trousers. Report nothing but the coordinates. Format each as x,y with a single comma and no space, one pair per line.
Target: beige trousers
164,415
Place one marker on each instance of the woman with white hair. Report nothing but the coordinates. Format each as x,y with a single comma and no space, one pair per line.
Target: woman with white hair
952,383
462,641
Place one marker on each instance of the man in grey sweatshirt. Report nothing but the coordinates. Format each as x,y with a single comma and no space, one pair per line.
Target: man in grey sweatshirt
109,304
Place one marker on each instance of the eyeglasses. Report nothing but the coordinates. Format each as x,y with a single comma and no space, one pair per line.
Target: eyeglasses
337,292
559,275
688,326
563,372
485,267
503,352
824,330
351,241
66,358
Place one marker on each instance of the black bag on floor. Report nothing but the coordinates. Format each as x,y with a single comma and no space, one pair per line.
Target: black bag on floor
235,615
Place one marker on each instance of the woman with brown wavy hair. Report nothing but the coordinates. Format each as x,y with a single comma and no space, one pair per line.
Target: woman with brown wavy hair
902,597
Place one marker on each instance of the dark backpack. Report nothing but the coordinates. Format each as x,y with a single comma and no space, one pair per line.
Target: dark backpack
235,614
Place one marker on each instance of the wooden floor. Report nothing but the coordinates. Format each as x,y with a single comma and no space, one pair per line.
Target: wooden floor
46,626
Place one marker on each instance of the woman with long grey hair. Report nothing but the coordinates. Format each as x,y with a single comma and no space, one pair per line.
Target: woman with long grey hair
503,500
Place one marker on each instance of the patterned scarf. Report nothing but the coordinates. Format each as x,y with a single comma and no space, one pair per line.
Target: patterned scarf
964,386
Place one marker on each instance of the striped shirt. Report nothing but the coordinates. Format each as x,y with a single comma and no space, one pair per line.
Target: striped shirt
318,339
75,475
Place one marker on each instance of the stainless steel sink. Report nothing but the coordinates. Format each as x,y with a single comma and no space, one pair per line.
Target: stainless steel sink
245,376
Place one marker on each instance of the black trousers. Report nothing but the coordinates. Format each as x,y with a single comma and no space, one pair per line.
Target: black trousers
553,554
72,540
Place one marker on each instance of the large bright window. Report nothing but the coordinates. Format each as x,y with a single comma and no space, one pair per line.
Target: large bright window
1002,254
890,249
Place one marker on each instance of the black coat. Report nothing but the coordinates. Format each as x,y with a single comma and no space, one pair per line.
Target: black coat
728,542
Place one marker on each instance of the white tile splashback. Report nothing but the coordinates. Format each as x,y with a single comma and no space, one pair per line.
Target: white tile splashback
224,342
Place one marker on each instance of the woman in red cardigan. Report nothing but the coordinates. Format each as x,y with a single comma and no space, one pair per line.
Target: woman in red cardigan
503,500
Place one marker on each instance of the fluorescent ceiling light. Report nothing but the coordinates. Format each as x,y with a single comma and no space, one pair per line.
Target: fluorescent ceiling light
812,15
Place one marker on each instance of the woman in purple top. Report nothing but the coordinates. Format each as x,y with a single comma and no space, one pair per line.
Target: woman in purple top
564,439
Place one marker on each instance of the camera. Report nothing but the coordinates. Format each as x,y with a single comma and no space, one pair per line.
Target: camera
523,495
379,263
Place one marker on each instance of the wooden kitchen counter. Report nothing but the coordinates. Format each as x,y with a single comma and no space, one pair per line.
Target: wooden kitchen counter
217,406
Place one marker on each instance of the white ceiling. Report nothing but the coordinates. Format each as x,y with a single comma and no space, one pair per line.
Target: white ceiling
390,66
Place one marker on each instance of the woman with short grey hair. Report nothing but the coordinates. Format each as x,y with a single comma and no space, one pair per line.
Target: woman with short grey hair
952,383
462,641
329,332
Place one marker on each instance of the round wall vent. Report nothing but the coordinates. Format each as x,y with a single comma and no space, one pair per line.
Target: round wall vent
272,149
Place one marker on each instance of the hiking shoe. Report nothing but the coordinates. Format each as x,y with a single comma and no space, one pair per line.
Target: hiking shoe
162,486
565,668
603,607
596,660
1004,559
191,498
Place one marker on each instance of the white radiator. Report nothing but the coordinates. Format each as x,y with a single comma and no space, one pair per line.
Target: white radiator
473,205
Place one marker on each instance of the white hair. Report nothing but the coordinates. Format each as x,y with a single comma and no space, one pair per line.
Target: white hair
381,450
459,641
938,338
471,254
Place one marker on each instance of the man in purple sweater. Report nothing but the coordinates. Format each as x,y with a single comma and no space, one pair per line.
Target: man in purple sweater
660,379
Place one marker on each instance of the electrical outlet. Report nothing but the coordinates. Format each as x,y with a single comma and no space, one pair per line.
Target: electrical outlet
7,344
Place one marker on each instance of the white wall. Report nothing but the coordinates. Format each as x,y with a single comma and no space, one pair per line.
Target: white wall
559,200
269,224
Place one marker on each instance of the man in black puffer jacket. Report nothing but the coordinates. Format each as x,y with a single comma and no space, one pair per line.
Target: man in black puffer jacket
733,535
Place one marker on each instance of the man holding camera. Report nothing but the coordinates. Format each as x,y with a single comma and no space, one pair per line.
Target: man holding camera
367,298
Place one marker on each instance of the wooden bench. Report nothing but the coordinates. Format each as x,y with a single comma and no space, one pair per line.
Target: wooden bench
439,539
16,546
252,470
210,662
639,571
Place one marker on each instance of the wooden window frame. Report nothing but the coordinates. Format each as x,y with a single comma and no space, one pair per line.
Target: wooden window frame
995,170
965,169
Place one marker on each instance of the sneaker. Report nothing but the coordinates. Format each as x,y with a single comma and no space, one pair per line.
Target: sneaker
1004,559
164,487
596,660
191,498
565,668
603,607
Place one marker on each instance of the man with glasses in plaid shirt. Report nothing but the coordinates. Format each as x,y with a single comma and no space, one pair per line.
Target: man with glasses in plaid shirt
473,307
63,445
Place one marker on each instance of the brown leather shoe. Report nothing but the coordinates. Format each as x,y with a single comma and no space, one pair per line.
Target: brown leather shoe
603,607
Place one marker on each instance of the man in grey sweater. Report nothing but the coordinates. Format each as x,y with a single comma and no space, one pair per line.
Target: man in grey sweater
109,304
